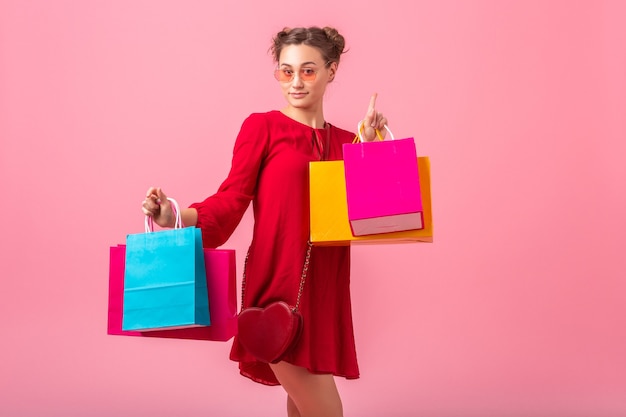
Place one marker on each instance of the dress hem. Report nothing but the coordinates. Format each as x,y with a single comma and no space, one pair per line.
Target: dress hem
262,381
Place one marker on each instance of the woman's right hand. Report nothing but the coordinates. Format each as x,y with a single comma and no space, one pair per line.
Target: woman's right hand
157,206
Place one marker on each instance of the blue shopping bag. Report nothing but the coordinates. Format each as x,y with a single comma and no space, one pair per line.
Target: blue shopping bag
165,280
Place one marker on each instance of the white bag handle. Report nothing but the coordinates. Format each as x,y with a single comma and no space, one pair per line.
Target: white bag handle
149,222
360,126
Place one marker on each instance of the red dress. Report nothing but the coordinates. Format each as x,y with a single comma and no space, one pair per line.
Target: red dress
270,168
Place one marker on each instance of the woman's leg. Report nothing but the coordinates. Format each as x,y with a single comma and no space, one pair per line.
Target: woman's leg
292,410
313,395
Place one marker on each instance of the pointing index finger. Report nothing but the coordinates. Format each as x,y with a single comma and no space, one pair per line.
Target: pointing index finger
372,105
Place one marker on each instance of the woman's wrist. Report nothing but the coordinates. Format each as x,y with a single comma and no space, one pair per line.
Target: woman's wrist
174,217
189,217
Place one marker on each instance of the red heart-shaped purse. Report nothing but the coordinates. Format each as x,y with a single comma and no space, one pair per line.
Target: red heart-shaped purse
268,333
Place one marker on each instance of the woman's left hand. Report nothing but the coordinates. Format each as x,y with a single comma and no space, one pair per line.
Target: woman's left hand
373,121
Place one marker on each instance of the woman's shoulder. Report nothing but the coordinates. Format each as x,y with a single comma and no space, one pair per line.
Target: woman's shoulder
268,119
260,117
270,115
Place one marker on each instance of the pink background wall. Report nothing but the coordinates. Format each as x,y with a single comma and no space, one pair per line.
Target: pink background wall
517,309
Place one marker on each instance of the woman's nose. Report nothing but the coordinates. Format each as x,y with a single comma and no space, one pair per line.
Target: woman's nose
297,81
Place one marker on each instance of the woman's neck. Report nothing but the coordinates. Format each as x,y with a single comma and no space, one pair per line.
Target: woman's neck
313,118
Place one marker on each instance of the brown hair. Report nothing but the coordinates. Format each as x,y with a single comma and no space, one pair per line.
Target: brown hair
329,42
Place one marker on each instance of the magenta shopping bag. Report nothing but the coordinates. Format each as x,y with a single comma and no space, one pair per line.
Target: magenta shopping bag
382,186
221,287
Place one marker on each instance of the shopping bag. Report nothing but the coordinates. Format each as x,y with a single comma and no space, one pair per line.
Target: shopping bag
221,281
165,279
117,259
329,212
382,185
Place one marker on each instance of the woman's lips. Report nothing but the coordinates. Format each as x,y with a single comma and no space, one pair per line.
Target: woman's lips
298,95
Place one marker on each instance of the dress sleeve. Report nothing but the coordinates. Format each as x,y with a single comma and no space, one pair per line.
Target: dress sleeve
219,214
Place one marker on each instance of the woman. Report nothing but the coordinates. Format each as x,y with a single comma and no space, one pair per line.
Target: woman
270,168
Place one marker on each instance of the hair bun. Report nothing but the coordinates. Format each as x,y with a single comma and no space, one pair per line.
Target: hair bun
336,38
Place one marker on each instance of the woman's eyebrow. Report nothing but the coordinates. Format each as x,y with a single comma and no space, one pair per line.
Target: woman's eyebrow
303,64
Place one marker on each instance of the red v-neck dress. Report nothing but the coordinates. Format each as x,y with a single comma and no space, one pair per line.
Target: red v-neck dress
270,168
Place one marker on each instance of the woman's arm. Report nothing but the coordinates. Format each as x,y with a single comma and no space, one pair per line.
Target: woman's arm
219,214
189,216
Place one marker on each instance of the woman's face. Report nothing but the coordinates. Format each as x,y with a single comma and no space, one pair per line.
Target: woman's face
302,60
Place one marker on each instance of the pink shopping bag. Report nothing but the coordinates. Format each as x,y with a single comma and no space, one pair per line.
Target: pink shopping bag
221,288
382,186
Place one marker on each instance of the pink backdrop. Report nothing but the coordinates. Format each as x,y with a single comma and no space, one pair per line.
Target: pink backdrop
517,309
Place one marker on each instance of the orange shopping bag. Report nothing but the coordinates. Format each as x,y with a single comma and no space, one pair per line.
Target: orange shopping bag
329,210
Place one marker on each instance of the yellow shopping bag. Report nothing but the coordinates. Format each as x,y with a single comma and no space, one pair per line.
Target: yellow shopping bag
329,209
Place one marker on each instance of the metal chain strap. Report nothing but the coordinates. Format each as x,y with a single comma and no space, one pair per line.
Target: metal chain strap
305,270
